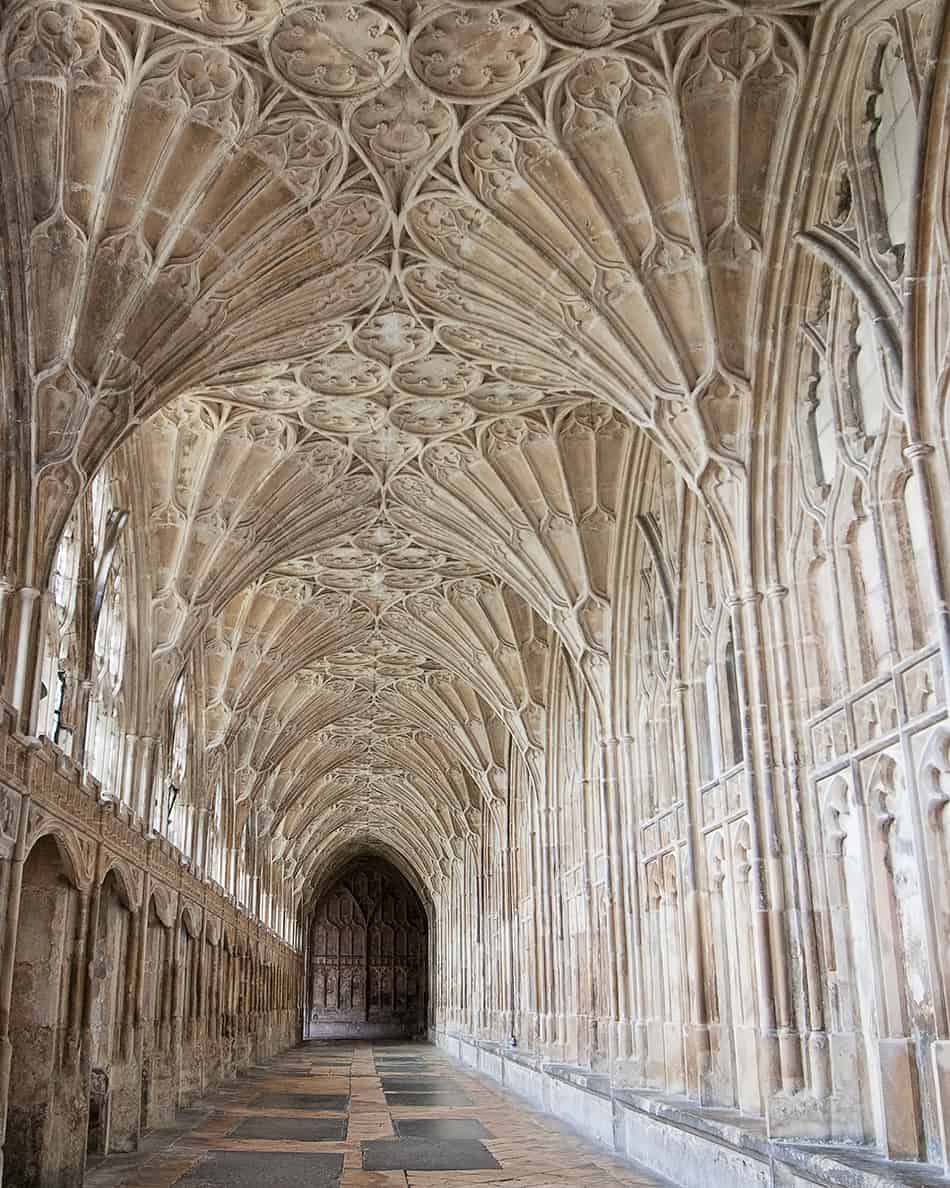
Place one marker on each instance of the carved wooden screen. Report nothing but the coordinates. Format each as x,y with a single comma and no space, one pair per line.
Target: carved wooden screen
368,951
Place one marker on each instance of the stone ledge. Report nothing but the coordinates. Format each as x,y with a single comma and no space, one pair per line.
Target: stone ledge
693,1147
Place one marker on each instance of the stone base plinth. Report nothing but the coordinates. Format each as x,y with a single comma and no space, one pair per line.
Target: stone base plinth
692,1146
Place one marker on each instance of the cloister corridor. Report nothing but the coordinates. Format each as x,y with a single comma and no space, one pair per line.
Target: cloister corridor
364,1115
474,593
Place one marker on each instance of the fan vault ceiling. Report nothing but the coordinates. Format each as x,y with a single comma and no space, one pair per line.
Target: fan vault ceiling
373,307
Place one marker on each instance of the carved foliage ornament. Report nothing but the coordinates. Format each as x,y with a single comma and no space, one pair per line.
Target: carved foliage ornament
337,50
472,53
596,22
220,17
402,124
60,39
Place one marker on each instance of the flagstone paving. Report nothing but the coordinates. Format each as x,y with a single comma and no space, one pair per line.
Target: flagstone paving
357,1115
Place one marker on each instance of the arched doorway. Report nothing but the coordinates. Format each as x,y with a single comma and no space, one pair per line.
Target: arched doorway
46,1112
114,1081
368,955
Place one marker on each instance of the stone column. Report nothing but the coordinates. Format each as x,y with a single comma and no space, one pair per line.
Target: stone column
139,1005
215,1028
6,603
23,661
166,981
78,977
199,1031
631,827
779,1059
81,723
697,1029
508,896
145,778
34,690
133,957
617,890
791,710
178,957
545,935
560,956
10,926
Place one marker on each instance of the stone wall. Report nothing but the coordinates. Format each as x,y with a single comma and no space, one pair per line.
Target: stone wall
129,986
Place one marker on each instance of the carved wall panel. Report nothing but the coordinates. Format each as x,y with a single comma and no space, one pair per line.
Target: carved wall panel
368,955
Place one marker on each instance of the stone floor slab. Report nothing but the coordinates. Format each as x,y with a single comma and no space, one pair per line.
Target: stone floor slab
265,1170
298,1130
441,1128
420,1154
427,1099
335,1103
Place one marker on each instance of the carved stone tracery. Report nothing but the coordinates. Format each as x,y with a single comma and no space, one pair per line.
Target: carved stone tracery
509,456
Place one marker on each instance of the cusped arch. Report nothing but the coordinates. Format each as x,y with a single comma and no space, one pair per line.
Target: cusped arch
163,901
127,882
77,865
191,917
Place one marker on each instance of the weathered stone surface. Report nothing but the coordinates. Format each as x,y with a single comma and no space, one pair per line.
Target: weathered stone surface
505,442
244,1170
427,1154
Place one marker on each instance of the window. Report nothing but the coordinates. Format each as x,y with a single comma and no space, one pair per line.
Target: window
59,635
105,735
895,140
175,821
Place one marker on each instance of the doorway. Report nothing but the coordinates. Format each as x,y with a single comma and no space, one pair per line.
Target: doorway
46,1135
368,951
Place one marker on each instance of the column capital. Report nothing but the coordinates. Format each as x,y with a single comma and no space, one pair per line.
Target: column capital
746,597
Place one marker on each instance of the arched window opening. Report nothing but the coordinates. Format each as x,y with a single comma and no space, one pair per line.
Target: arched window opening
100,498
713,718
722,712
703,725
243,880
217,849
734,740
868,374
60,636
893,118
569,779
109,624
821,425
174,825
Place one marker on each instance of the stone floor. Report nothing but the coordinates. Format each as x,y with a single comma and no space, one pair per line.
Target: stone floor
345,1115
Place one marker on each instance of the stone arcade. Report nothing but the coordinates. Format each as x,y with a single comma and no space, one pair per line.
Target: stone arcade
474,563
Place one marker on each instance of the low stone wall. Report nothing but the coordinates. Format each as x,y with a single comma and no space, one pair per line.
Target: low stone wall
691,1146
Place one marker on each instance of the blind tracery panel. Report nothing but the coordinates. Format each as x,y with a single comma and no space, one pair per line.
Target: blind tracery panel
368,950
